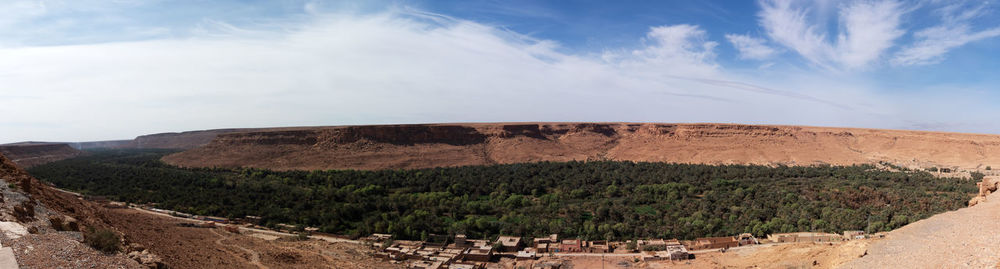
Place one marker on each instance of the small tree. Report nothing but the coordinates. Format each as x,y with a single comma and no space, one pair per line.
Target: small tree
102,239
302,236
631,245
988,168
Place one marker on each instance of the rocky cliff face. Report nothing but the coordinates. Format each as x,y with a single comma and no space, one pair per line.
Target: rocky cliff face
435,145
31,154
184,140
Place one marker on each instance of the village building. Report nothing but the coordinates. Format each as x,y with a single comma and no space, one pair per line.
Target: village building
525,255
571,245
552,238
460,241
599,246
746,239
542,247
510,243
804,237
714,242
677,252
852,235
479,254
672,252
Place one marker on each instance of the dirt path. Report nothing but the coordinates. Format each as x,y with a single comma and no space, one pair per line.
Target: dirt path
965,238
254,256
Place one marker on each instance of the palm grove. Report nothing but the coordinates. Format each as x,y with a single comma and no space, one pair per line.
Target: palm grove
591,200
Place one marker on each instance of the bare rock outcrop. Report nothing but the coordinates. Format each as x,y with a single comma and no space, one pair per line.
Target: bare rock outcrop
986,187
147,259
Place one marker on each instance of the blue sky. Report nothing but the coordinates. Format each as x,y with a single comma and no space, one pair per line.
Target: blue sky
94,70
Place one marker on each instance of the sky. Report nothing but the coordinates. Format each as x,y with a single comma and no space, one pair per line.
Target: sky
87,70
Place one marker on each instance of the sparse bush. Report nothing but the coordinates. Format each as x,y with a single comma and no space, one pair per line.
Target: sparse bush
103,240
988,168
57,223
302,236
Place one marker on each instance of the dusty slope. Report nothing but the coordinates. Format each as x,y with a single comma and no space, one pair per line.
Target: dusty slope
32,154
432,145
178,247
965,238
40,245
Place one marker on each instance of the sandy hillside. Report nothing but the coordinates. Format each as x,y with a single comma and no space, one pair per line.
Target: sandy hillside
965,238
434,145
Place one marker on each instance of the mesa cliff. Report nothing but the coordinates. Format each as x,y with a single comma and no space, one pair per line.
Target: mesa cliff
28,154
182,140
442,145
31,154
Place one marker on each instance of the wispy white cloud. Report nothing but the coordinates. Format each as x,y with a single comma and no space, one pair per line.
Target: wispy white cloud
751,47
955,30
676,49
393,67
867,30
870,28
409,66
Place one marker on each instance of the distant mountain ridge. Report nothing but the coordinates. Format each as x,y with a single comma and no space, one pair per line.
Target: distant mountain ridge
28,154
441,145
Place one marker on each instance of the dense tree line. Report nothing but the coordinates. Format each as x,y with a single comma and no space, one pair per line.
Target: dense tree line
591,200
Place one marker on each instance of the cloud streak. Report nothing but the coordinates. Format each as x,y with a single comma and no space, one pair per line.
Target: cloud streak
869,28
751,47
955,30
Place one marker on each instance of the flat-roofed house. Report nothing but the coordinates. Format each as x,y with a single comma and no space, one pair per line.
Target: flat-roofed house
804,237
599,246
479,254
510,243
571,245
714,242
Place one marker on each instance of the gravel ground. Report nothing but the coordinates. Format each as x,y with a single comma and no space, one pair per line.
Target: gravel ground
965,238
58,250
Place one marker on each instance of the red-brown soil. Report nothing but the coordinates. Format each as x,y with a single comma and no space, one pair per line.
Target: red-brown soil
178,247
31,154
441,145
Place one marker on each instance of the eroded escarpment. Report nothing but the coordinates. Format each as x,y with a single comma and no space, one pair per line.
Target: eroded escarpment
442,145
32,154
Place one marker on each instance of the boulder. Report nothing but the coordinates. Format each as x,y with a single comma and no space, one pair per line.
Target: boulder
147,259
